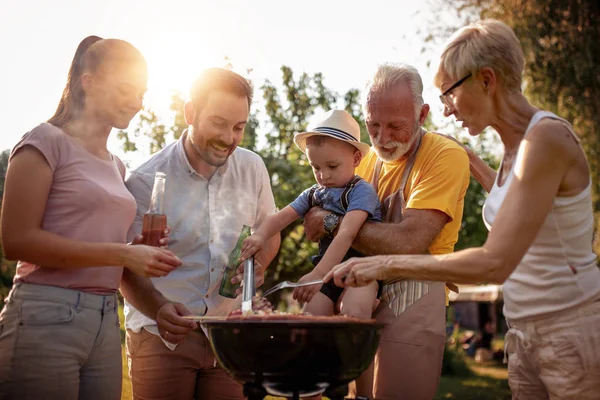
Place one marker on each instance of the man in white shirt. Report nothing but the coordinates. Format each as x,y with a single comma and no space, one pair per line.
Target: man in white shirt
213,188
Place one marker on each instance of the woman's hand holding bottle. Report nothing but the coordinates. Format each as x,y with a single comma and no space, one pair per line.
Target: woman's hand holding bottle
149,261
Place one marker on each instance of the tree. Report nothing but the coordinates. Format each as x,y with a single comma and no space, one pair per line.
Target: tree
560,40
473,231
152,128
352,104
289,170
3,167
7,273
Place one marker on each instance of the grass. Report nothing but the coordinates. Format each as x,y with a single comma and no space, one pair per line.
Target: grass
126,390
489,381
126,382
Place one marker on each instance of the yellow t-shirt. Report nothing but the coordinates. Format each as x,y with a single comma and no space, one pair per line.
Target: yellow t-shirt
438,181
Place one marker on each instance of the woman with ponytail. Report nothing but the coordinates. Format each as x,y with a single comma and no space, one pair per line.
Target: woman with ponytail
65,216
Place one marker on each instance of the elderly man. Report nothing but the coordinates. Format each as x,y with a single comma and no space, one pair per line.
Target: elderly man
213,188
421,179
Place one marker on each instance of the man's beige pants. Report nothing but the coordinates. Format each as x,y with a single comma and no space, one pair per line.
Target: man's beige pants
188,372
408,363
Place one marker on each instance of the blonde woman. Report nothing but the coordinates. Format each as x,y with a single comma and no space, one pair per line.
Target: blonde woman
540,208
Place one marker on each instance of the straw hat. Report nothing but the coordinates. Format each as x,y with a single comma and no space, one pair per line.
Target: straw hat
337,124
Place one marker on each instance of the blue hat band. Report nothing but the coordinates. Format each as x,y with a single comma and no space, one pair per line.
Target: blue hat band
336,133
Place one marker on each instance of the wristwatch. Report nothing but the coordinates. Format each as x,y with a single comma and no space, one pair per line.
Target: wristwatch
330,222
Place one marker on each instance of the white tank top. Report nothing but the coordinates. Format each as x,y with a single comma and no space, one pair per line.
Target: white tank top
559,270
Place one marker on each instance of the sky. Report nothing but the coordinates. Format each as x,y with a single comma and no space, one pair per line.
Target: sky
345,40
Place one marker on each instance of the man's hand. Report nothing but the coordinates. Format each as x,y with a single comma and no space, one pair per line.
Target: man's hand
259,275
305,294
171,326
164,241
313,224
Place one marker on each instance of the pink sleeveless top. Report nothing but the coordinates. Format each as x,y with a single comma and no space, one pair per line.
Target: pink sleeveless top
88,201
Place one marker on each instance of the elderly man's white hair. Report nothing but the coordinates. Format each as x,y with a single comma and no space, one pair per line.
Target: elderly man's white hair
389,75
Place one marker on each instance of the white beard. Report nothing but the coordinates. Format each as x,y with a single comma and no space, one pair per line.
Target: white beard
400,149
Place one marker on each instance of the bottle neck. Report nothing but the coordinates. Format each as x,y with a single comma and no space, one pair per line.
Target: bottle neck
157,199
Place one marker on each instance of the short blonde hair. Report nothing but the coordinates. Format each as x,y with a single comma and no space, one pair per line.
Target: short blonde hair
486,43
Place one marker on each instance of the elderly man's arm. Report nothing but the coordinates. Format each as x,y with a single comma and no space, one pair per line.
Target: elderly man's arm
413,235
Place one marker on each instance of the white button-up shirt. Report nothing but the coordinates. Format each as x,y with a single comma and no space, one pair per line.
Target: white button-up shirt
206,217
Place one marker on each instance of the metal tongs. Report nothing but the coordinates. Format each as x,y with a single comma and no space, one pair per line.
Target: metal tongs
249,285
288,284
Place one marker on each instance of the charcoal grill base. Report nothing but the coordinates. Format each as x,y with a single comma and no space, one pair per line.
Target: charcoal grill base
293,357
253,392
257,392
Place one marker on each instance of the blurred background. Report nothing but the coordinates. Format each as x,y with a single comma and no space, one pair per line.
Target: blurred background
304,58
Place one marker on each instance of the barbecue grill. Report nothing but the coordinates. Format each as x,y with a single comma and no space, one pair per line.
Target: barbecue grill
293,358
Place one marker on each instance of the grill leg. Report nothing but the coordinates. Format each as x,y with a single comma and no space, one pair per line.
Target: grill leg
336,393
254,393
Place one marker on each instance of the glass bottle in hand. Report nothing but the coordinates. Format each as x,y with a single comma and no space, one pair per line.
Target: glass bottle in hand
155,220
227,289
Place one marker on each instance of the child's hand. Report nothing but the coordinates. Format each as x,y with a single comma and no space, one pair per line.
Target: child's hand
251,246
306,293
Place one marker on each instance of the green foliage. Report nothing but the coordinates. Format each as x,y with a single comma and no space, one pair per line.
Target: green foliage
7,268
179,125
249,141
352,104
473,232
455,361
7,272
3,167
455,358
476,387
288,111
151,127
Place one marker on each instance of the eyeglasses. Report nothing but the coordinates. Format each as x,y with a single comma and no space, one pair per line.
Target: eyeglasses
443,97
